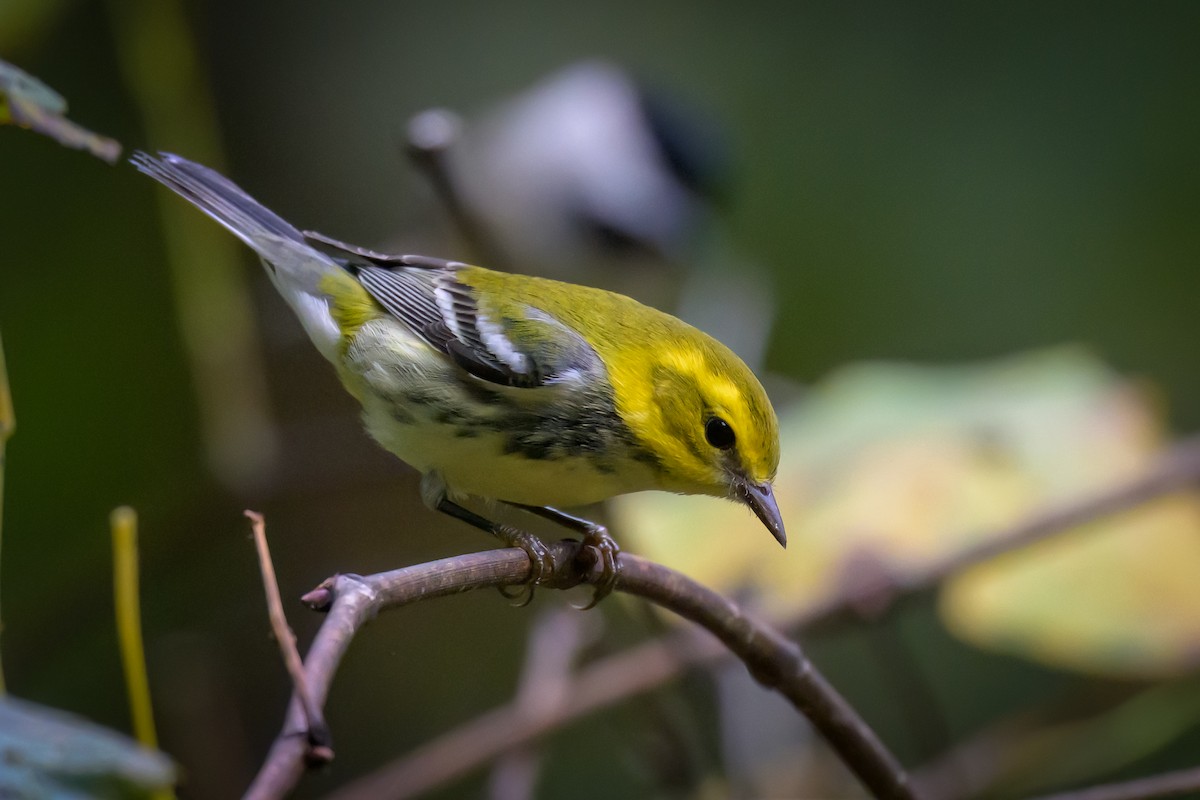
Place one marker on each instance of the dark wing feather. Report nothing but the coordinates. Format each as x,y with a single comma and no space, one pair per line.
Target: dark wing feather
425,295
409,295
353,254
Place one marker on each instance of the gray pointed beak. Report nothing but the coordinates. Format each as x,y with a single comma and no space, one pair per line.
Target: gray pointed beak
761,500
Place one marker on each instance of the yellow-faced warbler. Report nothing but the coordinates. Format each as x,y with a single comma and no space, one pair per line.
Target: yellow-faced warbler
528,391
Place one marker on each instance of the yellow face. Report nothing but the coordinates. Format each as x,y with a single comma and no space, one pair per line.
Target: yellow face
709,421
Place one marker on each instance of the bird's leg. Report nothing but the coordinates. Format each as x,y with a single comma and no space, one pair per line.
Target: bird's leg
540,561
603,549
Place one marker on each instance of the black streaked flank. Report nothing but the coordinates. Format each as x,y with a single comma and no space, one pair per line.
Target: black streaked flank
591,430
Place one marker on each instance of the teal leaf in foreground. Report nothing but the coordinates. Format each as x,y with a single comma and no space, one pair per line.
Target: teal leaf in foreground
28,103
45,752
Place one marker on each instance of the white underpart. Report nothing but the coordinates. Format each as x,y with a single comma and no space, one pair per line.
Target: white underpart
499,345
313,312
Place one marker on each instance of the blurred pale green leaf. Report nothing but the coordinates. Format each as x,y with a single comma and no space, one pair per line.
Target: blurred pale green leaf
28,103
889,466
49,753
1119,596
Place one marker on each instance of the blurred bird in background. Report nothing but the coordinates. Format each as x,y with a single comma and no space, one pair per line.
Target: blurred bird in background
592,176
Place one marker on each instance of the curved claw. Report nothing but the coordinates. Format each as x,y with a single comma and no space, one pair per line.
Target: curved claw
541,562
600,549
519,597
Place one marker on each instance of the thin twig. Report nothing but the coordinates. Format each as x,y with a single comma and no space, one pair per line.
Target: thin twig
774,660
320,749
1167,784
351,601
647,666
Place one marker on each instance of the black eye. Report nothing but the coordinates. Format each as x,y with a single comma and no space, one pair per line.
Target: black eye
719,434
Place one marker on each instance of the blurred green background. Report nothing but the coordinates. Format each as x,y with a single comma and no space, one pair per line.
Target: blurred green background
931,183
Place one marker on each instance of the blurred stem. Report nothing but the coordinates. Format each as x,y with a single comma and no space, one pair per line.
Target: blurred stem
1075,752
8,424
129,628
1165,784
160,66
1055,746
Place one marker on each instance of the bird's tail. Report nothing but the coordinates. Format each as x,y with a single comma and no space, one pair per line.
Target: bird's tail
217,196
296,268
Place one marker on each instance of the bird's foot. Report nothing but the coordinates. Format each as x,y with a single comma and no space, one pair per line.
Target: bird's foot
541,562
599,551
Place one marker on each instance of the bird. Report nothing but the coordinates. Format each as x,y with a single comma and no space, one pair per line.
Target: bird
510,388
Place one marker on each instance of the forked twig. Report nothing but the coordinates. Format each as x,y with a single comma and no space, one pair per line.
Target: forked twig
774,660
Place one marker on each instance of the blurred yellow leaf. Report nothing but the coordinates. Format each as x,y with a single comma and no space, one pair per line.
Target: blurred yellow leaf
1119,596
887,467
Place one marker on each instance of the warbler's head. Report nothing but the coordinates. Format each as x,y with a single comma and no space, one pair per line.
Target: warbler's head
709,422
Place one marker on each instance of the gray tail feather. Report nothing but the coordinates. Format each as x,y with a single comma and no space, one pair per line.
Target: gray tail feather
216,196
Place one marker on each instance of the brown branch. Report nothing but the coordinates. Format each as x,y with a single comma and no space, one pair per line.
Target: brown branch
351,601
774,660
778,663
319,740
1167,784
647,666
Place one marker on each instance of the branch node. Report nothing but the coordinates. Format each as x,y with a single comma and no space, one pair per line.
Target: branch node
320,598
317,756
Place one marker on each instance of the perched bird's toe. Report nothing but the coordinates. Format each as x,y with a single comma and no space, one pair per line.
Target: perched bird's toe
599,551
541,561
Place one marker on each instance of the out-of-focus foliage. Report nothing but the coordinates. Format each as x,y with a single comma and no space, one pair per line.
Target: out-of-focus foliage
27,102
889,466
1118,597
49,753
22,22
